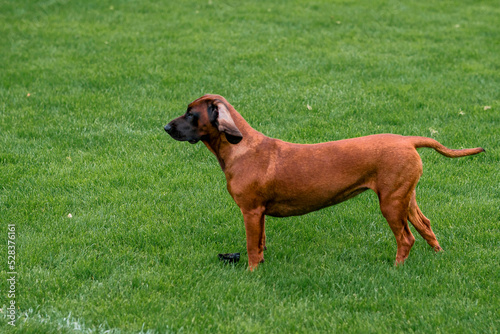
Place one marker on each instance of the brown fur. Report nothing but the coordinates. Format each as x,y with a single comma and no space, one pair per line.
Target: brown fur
267,176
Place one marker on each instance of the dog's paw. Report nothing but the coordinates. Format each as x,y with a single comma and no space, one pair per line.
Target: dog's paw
438,249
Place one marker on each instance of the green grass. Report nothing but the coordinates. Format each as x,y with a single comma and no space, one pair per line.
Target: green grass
149,214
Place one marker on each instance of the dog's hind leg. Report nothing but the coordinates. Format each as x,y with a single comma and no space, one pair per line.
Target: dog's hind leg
422,224
395,211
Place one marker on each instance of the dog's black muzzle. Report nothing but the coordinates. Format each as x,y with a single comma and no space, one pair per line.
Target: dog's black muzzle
172,130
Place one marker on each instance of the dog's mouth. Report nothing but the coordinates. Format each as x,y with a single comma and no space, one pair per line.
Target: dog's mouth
180,138
177,136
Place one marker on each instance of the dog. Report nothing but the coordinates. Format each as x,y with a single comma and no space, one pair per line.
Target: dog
267,176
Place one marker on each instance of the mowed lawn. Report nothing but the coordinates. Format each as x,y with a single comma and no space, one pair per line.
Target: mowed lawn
118,226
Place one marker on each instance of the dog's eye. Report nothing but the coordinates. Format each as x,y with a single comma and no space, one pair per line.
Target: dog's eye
192,118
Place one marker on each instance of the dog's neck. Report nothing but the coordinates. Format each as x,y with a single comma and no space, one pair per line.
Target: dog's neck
226,152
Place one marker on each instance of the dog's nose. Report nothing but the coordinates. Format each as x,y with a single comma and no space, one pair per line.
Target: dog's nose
168,127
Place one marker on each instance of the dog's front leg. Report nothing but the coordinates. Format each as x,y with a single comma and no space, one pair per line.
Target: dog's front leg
254,227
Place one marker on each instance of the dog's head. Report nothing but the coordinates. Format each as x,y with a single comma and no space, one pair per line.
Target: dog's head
206,118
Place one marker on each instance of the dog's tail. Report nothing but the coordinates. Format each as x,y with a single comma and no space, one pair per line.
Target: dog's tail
447,152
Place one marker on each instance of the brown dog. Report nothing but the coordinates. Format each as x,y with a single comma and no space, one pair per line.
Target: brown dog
268,176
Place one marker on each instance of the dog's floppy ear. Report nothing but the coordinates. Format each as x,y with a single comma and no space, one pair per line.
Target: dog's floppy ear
222,118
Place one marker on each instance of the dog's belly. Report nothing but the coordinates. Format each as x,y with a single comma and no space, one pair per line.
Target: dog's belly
296,206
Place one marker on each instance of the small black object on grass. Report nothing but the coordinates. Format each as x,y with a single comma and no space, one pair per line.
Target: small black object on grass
230,257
